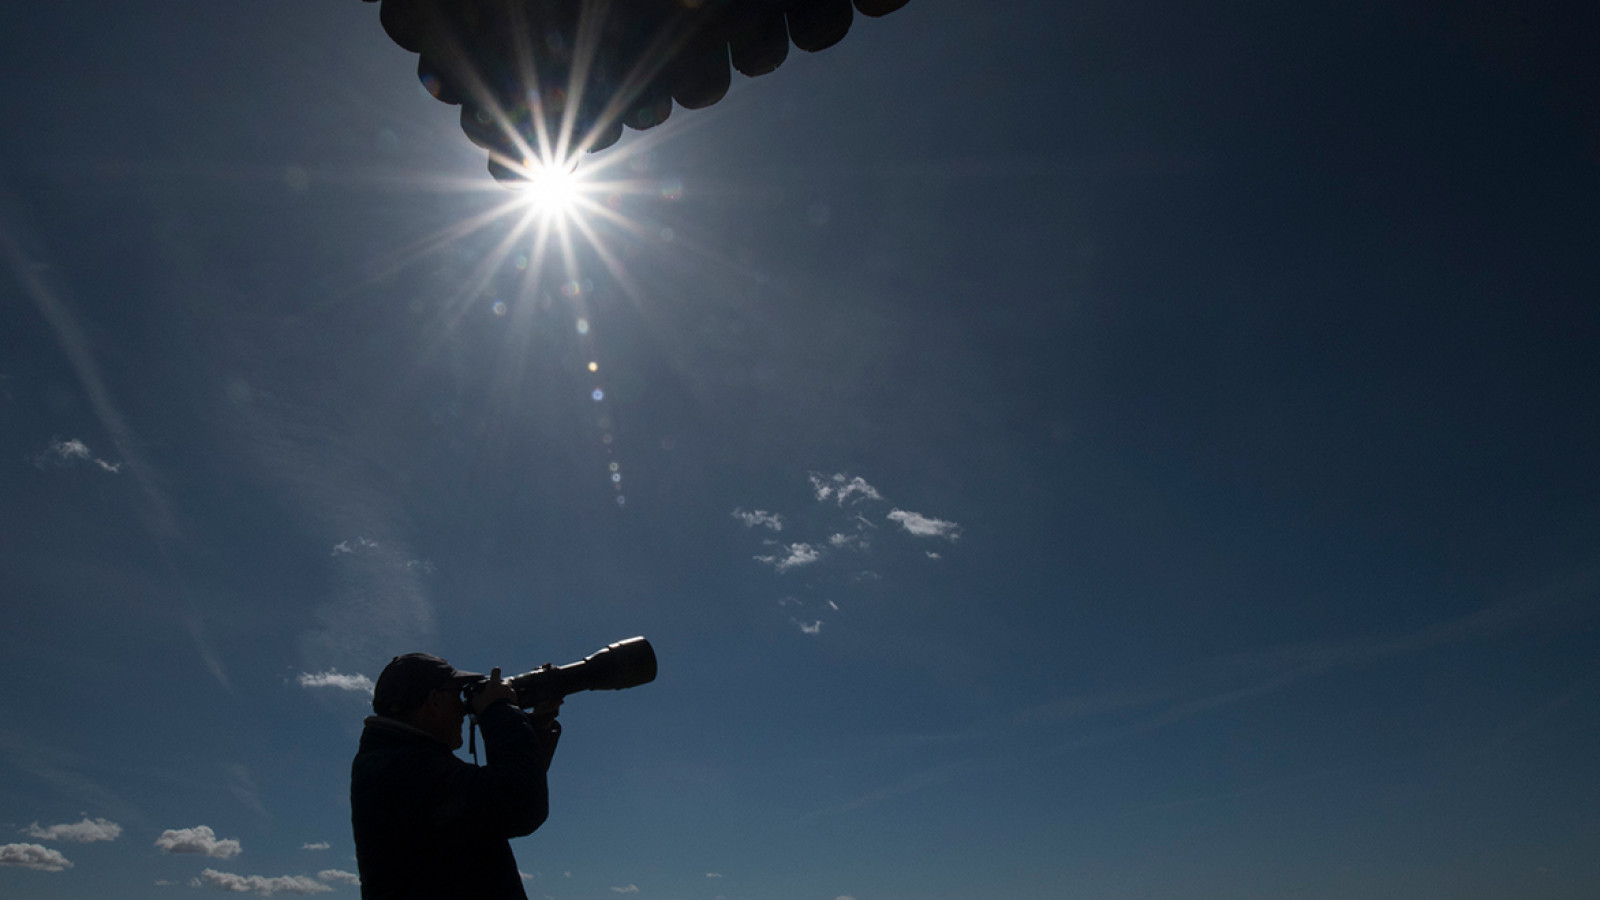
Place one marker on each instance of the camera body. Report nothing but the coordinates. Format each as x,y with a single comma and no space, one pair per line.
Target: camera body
614,667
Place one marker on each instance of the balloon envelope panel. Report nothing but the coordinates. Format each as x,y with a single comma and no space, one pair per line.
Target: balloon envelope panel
538,80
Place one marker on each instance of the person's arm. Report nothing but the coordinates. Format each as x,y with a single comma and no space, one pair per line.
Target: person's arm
508,795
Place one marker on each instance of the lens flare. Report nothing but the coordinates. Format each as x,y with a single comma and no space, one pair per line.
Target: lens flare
554,190
567,215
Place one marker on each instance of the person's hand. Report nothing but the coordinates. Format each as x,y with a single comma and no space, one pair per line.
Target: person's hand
493,692
546,710
543,719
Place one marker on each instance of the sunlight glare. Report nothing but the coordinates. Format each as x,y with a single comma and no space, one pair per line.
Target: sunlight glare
553,190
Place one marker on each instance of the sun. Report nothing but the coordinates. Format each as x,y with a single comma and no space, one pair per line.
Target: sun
553,209
552,190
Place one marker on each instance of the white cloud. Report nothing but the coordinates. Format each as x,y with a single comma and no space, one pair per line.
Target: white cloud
813,628
33,856
833,605
70,449
162,882
795,555
842,488
319,845
259,884
354,544
65,453
86,832
713,874
846,540
339,876
525,876
925,526
760,517
425,566
330,678
933,555
627,889
199,839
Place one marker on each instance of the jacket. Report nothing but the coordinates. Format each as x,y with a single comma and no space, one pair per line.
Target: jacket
429,826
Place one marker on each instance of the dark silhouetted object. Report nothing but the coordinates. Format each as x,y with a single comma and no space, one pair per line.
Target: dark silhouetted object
541,81
624,664
427,824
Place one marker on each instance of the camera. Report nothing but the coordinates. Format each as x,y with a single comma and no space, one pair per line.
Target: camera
614,667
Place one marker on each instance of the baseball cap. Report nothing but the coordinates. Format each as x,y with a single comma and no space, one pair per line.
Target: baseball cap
407,680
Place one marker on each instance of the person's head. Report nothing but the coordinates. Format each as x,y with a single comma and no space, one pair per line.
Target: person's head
424,691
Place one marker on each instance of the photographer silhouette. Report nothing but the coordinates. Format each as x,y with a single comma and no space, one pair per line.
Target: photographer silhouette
428,824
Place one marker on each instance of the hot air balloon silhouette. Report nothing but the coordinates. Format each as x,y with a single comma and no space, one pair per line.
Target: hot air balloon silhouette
540,82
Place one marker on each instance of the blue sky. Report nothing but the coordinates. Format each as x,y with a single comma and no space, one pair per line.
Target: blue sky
1066,450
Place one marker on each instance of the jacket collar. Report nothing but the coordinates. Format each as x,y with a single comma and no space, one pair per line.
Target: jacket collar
397,727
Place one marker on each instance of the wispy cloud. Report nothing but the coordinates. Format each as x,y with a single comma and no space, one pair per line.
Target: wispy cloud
627,889
33,856
70,451
32,268
61,769
760,517
1265,787
713,874
199,840
339,876
244,788
1090,705
259,884
319,845
354,544
842,489
1209,686
378,601
23,252
905,785
925,526
330,678
794,556
1219,683
840,540
84,832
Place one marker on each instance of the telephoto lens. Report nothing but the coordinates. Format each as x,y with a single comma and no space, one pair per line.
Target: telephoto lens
624,664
